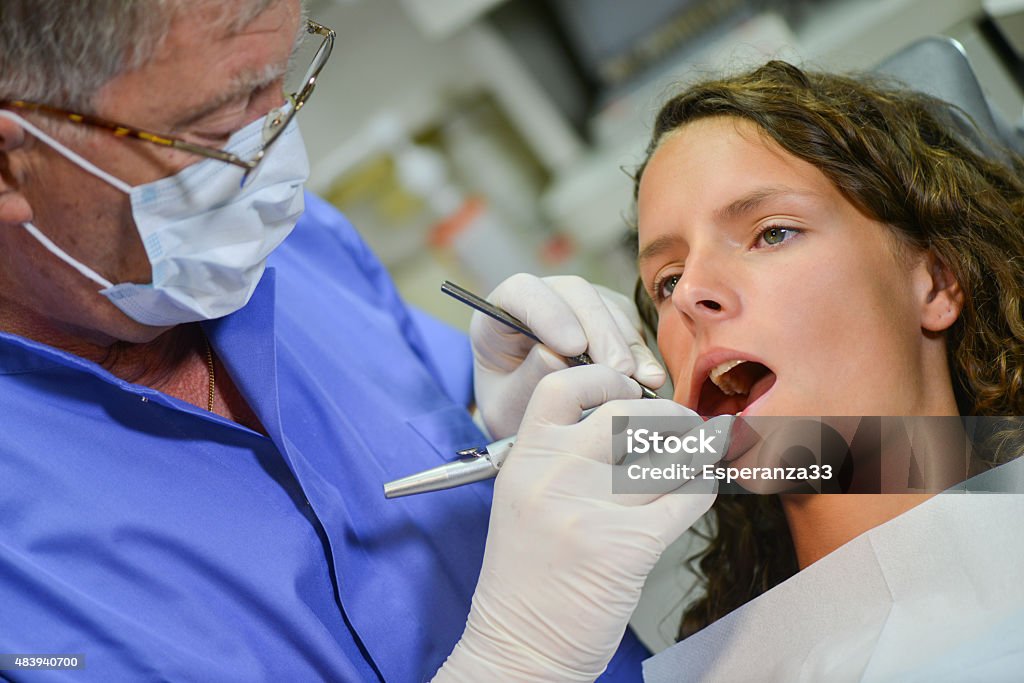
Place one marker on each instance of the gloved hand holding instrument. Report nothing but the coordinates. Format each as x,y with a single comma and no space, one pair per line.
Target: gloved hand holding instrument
566,557
571,317
594,309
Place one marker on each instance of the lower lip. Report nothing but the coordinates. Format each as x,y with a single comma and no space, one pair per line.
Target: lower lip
743,438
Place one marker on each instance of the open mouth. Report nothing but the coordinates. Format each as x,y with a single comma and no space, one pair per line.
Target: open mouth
731,387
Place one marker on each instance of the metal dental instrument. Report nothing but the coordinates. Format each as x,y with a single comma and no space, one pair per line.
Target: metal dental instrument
481,462
474,464
501,315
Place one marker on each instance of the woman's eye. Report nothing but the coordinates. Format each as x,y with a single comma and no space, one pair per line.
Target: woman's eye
773,235
665,286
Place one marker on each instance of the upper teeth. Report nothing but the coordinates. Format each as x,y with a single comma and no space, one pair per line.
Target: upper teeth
727,383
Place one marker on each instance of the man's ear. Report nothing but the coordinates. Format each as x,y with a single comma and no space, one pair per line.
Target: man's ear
939,293
14,206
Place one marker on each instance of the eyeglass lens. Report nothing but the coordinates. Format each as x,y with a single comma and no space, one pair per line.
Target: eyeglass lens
314,51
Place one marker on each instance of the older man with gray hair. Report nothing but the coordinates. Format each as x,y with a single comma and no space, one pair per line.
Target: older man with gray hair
194,441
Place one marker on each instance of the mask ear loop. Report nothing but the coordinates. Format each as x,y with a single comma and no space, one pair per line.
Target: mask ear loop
66,258
67,153
85,165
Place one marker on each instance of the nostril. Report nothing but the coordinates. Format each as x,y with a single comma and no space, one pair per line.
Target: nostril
708,303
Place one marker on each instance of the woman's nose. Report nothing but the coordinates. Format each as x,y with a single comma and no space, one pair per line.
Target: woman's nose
704,293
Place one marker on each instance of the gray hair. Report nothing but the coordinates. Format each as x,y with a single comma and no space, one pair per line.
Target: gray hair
61,52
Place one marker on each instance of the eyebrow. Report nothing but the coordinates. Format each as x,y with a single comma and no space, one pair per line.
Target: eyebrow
731,211
245,83
241,87
753,200
659,246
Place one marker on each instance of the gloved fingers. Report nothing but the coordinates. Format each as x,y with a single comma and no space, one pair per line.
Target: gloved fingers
511,400
632,491
686,437
569,315
561,397
540,362
610,334
666,518
496,346
648,370
540,307
663,518
602,422
672,462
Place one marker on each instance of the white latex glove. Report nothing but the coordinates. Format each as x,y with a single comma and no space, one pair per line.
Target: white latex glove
570,316
566,558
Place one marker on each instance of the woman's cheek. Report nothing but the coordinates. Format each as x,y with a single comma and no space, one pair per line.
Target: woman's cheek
673,344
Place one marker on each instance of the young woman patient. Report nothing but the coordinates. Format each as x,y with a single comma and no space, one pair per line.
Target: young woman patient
839,237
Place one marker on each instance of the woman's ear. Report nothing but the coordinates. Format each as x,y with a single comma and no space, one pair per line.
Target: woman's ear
939,293
14,206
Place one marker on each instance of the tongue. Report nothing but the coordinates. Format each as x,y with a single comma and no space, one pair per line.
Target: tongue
740,379
752,379
761,386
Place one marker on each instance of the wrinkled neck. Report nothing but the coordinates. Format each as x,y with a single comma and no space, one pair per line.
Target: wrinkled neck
152,363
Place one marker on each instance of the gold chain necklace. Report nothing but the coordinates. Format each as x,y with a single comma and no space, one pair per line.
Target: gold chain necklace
209,371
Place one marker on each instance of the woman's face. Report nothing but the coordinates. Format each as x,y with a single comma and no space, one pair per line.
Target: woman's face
751,254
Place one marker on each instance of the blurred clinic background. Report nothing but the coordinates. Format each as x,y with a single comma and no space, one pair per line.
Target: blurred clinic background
472,139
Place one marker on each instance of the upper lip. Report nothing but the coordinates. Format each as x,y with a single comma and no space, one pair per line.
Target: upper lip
706,362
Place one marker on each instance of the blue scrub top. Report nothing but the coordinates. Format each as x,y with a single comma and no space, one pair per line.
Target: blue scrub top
167,543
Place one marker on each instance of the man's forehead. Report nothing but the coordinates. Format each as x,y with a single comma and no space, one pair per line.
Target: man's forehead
198,23
228,17
205,55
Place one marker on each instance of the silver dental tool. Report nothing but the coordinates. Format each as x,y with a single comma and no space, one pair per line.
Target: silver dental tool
501,315
480,462
474,464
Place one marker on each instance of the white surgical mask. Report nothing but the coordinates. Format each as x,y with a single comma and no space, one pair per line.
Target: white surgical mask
206,237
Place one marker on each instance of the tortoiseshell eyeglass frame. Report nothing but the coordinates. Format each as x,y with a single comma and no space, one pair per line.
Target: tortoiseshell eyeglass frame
277,120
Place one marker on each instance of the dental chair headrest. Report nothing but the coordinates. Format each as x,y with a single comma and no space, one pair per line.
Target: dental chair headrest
938,67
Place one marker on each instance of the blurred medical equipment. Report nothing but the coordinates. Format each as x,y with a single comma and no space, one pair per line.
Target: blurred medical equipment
410,192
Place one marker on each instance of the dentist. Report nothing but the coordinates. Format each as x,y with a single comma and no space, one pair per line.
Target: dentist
200,399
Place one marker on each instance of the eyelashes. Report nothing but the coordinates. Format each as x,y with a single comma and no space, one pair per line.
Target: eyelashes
658,293
782,233
769,237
